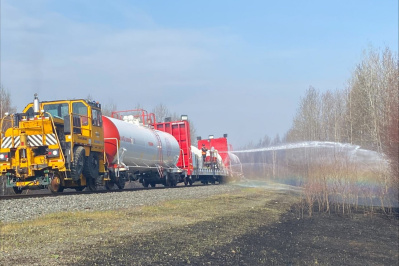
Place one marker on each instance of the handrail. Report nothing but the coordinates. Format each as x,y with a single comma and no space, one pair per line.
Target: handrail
1,128
117,154
184,161
89,122
117,147
160,153
56,134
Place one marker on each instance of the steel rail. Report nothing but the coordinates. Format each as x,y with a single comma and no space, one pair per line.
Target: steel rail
103,191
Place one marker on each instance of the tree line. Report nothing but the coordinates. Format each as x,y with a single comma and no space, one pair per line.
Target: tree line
365,113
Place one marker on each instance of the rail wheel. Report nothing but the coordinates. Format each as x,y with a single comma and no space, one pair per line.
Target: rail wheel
78,162
145,183
153,184
190,181
186,181
79,188
120,183
169,180
91,166
173,180
17,190
91,184
109,185
55,184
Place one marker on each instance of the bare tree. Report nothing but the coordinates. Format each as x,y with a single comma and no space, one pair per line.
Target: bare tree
161,112
307,121
5,106
89,97
373,95
108,108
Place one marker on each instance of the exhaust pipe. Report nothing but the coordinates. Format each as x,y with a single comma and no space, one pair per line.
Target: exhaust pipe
36,104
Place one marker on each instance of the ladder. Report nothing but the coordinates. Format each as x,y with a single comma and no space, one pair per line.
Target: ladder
160,154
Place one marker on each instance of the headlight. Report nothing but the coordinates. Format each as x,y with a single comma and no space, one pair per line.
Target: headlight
52,153
4,156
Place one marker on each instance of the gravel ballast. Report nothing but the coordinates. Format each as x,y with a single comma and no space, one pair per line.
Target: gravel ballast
19,210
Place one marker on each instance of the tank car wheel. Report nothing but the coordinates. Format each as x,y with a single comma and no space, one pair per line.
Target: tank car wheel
120,183
173,180
78,189
167,180
145,183
55,184
78,162
153,184
170,180
109,185
91,166
17,190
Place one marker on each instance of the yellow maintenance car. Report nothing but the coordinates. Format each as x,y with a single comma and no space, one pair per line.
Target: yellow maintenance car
54,144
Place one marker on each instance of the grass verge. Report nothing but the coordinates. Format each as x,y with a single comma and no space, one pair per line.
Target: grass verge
178,230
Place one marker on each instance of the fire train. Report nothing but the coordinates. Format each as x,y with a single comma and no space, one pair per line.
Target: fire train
70,144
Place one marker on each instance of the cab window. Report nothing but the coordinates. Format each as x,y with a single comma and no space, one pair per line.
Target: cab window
97,118
58,110
81,110
29,112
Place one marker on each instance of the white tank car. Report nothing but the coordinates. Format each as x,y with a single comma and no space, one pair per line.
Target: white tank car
138,147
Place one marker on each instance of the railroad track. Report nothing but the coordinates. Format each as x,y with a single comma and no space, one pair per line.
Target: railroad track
68,193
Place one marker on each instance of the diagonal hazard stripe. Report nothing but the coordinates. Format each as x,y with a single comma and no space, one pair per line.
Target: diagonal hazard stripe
35,140
50,139
17,141
6,142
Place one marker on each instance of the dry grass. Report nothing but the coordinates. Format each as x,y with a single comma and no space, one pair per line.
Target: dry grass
65,237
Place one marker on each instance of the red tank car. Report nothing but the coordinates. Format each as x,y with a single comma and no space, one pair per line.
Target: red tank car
213,169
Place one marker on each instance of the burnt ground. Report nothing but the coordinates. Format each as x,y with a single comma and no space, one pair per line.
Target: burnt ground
325,239
322,239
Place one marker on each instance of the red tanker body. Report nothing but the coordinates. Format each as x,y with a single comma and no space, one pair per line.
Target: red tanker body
180,130
190,159
218,144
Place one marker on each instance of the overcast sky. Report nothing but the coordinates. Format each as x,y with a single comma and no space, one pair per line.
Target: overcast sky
236,67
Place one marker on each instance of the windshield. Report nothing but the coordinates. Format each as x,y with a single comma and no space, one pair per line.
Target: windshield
57,110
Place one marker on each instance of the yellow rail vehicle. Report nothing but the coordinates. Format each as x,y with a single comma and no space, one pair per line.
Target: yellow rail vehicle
54,144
